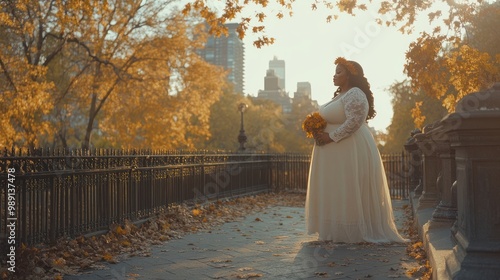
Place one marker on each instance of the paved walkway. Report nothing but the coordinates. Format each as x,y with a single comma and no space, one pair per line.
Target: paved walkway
267,245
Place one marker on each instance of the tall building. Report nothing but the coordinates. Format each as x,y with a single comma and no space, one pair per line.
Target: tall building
302,97
278,66
303,90
228,52
273,92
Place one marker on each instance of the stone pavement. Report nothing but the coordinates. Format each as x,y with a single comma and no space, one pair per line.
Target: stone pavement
272,244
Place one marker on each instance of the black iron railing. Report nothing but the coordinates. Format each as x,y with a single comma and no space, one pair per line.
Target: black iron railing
69,193
397,170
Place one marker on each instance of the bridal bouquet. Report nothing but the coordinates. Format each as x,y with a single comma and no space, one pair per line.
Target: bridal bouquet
312,124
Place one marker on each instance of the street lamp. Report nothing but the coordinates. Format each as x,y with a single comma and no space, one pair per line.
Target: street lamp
242,138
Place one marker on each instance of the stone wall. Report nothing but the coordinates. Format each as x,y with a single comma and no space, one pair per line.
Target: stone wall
456,195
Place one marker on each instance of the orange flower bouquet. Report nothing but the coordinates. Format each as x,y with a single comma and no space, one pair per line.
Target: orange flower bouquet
313,123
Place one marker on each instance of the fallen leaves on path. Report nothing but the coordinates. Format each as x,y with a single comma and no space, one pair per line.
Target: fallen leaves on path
416,249
248,275
71,256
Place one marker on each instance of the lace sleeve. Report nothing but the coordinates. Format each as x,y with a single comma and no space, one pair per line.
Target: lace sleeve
356,110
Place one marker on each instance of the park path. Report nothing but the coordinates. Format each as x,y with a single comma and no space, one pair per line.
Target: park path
270,244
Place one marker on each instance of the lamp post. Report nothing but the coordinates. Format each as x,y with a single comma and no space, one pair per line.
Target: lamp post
242,138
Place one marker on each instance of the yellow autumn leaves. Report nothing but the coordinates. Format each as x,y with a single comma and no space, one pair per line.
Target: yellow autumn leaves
103,74
207,213
416,248
449,75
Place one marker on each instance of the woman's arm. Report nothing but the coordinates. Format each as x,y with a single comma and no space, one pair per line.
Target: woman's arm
356,110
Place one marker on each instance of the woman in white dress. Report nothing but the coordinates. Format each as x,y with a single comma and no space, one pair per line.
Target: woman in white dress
348,197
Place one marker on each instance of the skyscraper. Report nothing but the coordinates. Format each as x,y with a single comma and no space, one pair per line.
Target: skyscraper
228,52
278,66
273,92
302,98
303,90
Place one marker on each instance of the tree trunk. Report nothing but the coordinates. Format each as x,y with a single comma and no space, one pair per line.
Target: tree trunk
90,124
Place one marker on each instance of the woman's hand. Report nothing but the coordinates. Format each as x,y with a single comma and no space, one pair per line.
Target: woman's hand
322,138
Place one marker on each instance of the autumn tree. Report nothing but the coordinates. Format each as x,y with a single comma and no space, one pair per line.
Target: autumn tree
276,131
268,129
403,120
449,68
261,123
225,122
483,32
301,107
265,127
83,55
158,109
25,94
136,49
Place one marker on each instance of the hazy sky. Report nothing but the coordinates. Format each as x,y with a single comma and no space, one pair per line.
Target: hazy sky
309,46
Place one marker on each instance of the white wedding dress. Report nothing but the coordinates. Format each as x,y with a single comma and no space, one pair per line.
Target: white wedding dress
347,195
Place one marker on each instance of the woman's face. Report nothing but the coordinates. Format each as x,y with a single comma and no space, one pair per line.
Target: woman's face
341,77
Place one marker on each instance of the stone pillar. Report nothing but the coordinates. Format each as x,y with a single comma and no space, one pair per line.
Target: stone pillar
446,211
454,227
430,169
475,136
415,168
